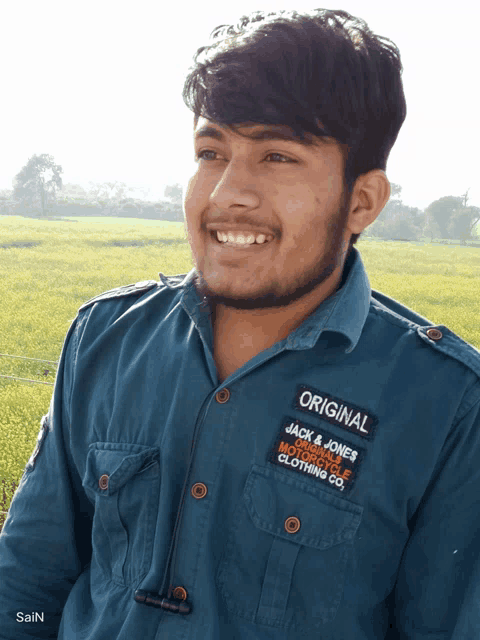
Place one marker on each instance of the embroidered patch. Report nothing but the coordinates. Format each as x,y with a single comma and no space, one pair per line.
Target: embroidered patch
38,447
316,453
338,412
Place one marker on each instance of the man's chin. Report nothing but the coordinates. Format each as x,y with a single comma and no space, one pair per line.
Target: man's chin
236,300
260,299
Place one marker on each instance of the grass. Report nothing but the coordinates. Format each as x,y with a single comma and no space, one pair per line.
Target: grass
440,283
49,268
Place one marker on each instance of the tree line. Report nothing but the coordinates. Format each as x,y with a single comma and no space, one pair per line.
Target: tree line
448,218
38,190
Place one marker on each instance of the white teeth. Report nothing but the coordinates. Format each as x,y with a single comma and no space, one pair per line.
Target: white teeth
243,239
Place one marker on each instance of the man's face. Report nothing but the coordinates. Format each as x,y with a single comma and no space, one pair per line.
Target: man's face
279,204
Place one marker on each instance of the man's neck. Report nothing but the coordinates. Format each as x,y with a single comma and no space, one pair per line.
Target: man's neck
240,334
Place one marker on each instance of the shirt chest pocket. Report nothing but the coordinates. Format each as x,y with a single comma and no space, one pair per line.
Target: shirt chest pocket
123,482
286,556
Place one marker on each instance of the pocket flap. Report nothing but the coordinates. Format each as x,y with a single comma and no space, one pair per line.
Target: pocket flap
325,520
119,461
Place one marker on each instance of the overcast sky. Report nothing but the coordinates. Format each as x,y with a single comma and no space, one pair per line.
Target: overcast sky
97,84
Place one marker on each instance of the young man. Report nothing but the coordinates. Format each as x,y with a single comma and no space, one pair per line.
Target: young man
263,448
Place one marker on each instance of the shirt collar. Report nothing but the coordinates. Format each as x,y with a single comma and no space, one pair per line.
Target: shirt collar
344,313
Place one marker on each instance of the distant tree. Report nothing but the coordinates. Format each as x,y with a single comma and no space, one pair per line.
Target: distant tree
70,200
465,220
401,228
394,203
73,192
174,212
6,203
36,183
174,192
438,215
465,197
130,208
397,221
108,195
462,223
395,190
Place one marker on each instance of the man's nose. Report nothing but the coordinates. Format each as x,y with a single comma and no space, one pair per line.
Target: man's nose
237,187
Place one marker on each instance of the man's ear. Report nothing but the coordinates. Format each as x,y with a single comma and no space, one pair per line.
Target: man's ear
370,194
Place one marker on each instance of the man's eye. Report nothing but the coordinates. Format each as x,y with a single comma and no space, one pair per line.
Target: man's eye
208,154
201,155
281,156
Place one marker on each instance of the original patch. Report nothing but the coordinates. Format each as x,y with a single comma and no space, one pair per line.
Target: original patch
315,453
38,447
338,412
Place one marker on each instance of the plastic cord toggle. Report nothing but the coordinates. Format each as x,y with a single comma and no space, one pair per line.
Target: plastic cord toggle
153,600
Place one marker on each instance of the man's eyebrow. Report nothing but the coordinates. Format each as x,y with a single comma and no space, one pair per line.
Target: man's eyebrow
264,134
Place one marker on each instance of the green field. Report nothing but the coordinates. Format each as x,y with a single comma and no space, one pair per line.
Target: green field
49,268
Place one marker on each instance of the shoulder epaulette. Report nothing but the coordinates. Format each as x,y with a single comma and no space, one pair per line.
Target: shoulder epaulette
440,337
449,343
137,289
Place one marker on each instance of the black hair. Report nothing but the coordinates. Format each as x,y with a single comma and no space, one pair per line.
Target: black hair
323,73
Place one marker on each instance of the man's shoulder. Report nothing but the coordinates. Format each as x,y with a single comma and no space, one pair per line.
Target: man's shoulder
437,336
134,290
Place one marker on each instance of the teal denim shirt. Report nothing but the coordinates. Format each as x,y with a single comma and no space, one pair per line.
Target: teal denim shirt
328,489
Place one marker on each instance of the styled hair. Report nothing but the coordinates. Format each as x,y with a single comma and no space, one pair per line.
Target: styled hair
323,73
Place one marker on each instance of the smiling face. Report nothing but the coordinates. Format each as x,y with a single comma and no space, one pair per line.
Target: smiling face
265,215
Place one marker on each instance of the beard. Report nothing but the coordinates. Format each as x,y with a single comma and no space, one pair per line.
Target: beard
280,294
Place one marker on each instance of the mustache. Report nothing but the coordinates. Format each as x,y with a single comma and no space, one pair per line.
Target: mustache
238,220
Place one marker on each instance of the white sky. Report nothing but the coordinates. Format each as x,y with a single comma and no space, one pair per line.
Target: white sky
97,84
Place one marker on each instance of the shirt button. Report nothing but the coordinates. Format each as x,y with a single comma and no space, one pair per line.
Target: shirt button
199,490
179,593
434,334
103,482
222,396
292,524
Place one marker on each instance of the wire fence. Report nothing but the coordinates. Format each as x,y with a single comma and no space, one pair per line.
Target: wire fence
45,371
